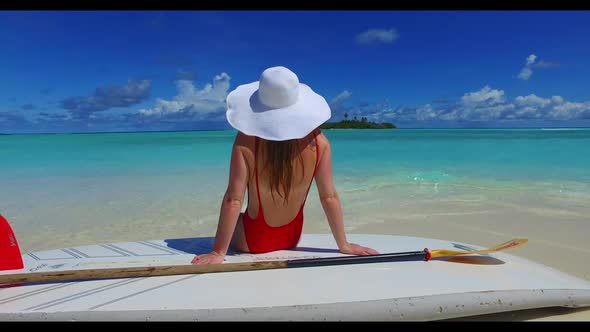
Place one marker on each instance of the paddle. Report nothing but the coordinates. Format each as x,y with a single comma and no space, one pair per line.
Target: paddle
10,256
128,272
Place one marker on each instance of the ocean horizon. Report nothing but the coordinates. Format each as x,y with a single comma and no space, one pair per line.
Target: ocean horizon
233,130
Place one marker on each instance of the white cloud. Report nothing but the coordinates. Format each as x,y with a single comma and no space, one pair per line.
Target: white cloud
557,100
486,96
545,64
523,107
373,36
489,104
386,114
570,110
531,59
451,115
554,108
485,112
107,97
534,101
530,107
527,71
190,99
425,113
342,96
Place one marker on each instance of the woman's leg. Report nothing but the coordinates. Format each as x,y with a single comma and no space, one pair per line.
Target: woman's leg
238,241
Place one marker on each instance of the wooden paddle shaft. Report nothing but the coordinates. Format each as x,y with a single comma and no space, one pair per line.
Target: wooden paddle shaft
129,272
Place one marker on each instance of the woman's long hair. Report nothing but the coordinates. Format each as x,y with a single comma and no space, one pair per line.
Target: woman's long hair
278,162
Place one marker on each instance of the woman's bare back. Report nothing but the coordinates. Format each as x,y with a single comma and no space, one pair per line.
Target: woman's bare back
277,212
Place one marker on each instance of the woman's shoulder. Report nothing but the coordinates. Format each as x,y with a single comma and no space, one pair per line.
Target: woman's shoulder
321,138
244,143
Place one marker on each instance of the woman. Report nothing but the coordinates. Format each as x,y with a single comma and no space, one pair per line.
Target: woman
278,152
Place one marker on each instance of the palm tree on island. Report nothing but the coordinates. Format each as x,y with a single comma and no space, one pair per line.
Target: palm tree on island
356,124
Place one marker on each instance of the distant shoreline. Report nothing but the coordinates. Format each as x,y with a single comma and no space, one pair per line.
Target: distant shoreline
356,124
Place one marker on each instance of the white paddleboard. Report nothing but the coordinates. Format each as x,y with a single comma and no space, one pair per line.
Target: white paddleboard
441,288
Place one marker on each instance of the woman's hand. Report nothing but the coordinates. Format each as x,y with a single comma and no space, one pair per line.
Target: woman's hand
355,249
210,258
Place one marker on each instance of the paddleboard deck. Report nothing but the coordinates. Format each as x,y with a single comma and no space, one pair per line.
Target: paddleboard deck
441,288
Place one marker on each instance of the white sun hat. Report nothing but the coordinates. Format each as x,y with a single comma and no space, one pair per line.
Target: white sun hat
277,107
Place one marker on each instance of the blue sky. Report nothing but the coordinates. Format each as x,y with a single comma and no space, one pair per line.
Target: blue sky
88,71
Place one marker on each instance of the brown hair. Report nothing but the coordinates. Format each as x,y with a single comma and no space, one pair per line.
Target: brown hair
278,161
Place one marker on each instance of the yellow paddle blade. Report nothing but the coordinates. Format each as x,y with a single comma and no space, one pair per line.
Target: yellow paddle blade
506,245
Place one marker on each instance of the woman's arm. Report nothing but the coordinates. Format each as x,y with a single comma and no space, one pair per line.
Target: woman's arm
231,205
331,202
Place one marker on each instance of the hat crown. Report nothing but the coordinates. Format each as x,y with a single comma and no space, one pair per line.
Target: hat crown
278,87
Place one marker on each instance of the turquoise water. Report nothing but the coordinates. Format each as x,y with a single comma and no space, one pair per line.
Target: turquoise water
430,155
479,157
77,181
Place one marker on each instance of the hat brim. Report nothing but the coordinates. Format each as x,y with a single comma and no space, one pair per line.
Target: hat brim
246,114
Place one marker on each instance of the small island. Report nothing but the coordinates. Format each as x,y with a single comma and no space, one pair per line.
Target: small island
356,124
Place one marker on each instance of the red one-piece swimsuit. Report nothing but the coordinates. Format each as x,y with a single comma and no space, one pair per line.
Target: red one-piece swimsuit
261,237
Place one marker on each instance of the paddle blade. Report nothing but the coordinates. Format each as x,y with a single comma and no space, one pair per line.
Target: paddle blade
514,243
10,256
